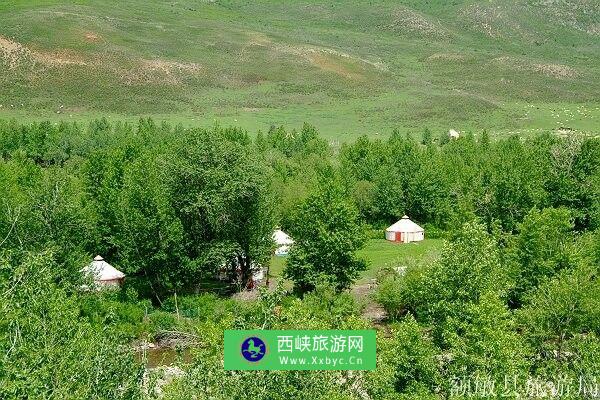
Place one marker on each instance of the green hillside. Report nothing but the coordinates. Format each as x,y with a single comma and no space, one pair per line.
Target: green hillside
348,67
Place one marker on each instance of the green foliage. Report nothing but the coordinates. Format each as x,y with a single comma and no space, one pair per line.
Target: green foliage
172,206
541,249
466,179
484,341
123,318
327,232
427,138
468,269
162,321
407,363
219,192
323,308
45,343
206,306
149,237
563,307
461,298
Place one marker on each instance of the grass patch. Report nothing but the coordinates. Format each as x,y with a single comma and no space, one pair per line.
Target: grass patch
381,253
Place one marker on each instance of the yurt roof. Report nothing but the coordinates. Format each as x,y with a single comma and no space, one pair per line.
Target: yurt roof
282,238
405,225
102,271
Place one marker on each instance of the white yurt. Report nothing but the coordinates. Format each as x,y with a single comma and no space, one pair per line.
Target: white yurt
453,134
103,273
405,231
283,242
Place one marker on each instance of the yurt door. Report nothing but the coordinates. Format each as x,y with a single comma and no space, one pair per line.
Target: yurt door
398,236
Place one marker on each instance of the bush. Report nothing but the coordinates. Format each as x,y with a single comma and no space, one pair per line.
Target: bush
398,294
125,318
433,232
562,307
162,321
376,233
328,232
203,307
406,364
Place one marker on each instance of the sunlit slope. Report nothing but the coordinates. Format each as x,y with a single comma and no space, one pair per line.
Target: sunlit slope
349,67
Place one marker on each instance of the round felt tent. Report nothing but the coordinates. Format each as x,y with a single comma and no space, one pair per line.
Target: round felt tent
103,273
283,242
405,231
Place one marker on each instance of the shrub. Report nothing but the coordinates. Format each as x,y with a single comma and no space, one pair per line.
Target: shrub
401,293
162,321
125,318
407,366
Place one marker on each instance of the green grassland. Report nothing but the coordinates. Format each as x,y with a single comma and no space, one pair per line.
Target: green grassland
380,254
348,67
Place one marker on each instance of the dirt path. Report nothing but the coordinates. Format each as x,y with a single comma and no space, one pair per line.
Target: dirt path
373,312
362,292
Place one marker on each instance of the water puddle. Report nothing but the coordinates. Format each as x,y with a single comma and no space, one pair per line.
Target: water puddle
163,356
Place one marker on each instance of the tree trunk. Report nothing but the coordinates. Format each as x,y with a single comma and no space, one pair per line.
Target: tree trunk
245,271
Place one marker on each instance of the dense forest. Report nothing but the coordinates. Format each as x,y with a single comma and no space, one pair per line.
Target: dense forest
513,298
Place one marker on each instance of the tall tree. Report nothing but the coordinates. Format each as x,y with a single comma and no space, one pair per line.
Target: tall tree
328,232
541,249
149,236
221,193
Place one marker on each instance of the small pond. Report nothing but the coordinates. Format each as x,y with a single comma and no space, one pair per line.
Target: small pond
164,356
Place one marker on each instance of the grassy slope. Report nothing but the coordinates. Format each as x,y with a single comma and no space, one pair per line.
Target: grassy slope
349,67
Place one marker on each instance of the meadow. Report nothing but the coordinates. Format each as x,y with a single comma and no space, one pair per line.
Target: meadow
348,67
381,254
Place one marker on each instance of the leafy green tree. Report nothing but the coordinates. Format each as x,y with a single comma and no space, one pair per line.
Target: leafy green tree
563,307
103,171
430,194
390,197
149,237
221,193
541,249
586,171
407,364
19,177
427,137
469,267
461,299
484,341
399,294
561,324
362,159
443,139
517,181
328,232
